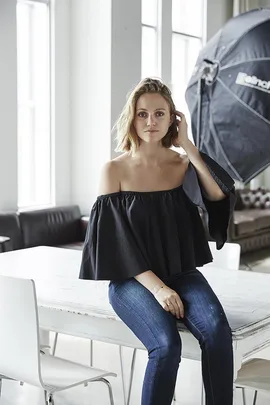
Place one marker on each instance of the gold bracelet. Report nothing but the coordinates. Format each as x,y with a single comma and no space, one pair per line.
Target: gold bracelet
156,289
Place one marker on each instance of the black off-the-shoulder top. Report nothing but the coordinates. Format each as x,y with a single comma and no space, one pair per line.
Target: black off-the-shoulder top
130,232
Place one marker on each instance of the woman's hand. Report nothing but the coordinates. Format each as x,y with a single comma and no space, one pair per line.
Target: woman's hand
170,301
181,123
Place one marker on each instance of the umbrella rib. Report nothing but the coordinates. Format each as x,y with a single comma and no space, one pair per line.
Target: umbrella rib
240,63
236,42
242,102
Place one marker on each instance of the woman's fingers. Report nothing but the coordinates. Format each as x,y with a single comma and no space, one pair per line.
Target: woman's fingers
165,306
181,308
170,301
173,308
180,114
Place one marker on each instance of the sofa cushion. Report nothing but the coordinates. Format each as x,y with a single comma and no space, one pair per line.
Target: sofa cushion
76,246
51,227
251,221
262,218
244,222
10,226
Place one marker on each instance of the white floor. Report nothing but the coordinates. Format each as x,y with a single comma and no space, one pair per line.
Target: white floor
106,357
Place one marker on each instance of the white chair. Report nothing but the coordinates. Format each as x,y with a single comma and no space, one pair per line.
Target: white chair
254,374
227,258
20,356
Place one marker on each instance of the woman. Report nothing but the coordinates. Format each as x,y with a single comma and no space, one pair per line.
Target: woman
146,236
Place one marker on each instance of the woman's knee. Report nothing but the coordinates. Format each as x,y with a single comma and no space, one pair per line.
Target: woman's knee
218,331
168,346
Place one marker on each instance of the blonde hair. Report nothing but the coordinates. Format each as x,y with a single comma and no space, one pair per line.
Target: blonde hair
127,138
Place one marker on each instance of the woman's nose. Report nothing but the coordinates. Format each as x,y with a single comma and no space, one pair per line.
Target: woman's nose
151,120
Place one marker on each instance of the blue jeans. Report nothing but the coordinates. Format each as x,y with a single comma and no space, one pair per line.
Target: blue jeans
157,330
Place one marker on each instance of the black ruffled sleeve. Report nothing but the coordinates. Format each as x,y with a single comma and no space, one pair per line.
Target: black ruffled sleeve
112,249
218,212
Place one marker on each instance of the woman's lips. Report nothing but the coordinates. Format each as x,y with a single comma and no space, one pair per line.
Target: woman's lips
152,130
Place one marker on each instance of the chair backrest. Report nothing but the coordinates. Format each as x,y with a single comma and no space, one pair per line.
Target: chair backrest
228,257
19,331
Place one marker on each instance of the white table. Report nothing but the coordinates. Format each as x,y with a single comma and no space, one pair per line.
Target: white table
81,308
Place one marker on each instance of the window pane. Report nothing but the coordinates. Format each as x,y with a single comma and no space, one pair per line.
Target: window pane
34,141
187,16
149,52
185,51
149,12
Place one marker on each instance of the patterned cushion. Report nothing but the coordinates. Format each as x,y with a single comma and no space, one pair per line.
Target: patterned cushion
259,198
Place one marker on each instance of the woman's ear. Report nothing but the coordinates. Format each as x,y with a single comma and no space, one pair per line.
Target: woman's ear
172,119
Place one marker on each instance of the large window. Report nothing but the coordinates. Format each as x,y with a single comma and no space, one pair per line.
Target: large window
149,38
187,40
34,135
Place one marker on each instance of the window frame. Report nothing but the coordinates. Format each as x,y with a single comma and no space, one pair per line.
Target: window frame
22,206
156,29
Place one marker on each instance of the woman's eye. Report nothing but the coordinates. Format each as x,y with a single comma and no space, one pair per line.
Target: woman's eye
160,113
142,114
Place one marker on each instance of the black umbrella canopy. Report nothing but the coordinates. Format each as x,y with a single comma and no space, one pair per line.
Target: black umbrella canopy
233,102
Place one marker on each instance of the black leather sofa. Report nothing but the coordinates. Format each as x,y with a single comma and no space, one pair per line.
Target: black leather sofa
58,226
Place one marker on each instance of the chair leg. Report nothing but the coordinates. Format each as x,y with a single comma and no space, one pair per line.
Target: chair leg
255,397
91,353
48,398
122,374
54,344
132,369
109,388
0,387
202,394
244,396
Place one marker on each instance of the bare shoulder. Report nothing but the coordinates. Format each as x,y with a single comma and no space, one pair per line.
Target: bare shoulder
180,159
109,179
111,173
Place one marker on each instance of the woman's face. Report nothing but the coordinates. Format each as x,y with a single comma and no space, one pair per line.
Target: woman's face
152,117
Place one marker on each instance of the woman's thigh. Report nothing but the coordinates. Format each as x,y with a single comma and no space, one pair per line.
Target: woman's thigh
142,313
204,315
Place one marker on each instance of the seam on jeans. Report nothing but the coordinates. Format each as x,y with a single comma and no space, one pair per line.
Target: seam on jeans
132,310
210,380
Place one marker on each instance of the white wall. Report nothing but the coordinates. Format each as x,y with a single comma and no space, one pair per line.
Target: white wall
90,96
100,78
61,100
217,13
126,54
8,106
